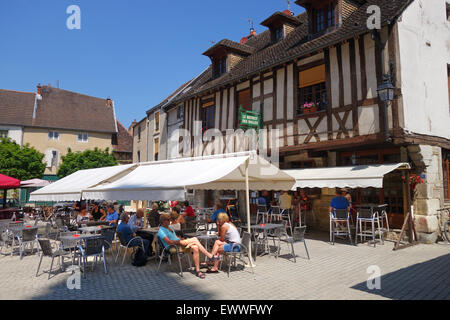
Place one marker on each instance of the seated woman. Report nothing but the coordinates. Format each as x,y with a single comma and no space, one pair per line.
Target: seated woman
153,216
97,212
228,236
176,219
83,216
188,211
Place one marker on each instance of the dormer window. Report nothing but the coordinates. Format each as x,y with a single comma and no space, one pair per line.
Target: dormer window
225,55
221,66
278,34
323,18
281,24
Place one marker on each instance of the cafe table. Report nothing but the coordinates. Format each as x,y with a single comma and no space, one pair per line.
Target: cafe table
17,230
265,228
205,237
94,229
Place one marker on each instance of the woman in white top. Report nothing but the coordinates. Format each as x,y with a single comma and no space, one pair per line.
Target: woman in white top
83,216
229,239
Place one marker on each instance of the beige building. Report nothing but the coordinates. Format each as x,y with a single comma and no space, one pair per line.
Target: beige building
53,120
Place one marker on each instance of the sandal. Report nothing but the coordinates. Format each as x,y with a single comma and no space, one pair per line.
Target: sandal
201,275
212,271
215,258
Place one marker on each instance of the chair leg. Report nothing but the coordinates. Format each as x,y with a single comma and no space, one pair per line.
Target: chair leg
373,234
124,255
179,263
349,232
307,253
160,260
293,252
39,265
104,263
356,234
51,266
229,265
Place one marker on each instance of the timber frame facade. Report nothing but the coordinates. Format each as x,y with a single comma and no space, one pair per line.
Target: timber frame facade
337,65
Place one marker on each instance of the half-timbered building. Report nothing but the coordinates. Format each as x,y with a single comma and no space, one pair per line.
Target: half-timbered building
314,77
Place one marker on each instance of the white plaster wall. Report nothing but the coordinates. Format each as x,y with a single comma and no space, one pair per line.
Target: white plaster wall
290,92
334,74
424,44
346,74
280,93
371,72
15,133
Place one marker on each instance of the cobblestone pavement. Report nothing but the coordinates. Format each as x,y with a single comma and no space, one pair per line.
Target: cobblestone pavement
334,272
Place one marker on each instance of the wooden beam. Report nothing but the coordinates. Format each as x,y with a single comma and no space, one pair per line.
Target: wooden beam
295,95
354,87
329,95
341,74
362,62
285,105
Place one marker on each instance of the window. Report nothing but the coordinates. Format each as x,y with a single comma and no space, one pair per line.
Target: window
156,121
312,91
156,149
446,171
244,100
208,115
323,18
138,156
51,158
3,134
221,66
83,137
278,34
180,113
54,158
52,135
114,141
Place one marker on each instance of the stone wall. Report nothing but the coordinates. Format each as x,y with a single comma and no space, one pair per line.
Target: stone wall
428,197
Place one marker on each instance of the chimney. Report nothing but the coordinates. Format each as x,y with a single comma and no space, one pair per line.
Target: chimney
108,102
252,34
39,89
288,12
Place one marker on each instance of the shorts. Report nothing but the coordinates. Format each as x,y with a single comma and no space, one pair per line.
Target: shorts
181,249
227,247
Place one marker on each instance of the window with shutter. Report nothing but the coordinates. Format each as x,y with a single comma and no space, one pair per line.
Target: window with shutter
244,100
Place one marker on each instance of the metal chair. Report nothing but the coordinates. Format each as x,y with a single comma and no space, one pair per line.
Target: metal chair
108,235
28,237
189,227
245,244
383,216
262,211
47,251
299,236
338,216
167,253
282,236
364,217
5,239
125,245
69,246
93,247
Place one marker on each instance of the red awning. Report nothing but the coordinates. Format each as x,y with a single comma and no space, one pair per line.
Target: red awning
8,182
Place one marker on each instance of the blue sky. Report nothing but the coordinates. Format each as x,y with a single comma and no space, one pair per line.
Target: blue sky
137,52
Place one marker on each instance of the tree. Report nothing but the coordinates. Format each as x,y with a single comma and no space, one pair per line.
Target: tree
22,163
88,159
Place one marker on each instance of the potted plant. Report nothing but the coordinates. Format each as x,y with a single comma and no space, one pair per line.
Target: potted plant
309,107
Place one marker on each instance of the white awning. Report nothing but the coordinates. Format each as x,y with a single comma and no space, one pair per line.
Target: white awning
363,176
167,180
69,188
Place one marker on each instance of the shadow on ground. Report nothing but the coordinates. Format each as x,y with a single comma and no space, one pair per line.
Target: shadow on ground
401,285
127,283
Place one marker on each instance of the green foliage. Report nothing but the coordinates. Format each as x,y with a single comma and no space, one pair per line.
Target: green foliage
88,159
22,163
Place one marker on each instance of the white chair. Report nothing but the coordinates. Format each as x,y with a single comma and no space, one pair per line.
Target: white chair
338,217
364,217
262,212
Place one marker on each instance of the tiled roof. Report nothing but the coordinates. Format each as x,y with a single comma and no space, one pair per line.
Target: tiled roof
58,109
124,139
282,17
230,45
16,108
64,109
295,45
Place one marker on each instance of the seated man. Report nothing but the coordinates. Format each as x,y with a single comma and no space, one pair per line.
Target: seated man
168,237
188,211
219,209
228,235
128,233
136,222
112,216
339,202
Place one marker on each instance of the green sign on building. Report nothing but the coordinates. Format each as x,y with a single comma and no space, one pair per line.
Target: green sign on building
249,119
